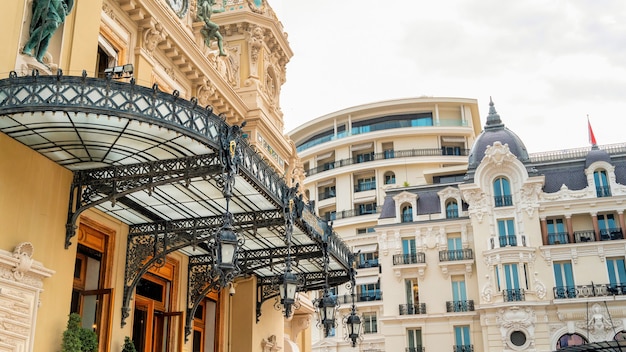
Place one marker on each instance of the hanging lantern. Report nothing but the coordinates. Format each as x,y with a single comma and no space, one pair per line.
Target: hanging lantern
353,327
227,249
288,289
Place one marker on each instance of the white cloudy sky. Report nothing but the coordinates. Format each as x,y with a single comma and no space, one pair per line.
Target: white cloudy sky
546,63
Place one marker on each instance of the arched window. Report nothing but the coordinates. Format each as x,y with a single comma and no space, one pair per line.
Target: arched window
502,192
452,209
390,178
602,183
570,340
407,213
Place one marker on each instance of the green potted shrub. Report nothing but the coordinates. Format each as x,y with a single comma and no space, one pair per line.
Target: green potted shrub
128,345
77,338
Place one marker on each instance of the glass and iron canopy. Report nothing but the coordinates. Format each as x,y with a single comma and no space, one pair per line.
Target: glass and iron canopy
179,176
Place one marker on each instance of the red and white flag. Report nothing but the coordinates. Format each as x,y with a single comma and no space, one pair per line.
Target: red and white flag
592,138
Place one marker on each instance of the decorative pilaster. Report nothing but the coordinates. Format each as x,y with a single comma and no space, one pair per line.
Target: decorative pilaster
21,284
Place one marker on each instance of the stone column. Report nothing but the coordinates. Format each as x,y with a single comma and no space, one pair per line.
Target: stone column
596,228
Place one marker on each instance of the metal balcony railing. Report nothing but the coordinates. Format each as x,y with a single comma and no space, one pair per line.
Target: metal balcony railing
389,154
456,254
611,234
463,348
508,240
584,236
452,214
558,238
603,191
412,258
415,349
593,290
513,295
503,201
460,306
411,309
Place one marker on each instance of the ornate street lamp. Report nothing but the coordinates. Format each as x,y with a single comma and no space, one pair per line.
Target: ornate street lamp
326,308
353,327
352,322
288,289
227,247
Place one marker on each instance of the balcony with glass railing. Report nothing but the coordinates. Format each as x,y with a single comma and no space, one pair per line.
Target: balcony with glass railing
365,186
344,214
421,122
558,238
389,154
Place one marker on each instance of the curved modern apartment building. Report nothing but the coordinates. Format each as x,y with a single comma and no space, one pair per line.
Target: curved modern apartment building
352,158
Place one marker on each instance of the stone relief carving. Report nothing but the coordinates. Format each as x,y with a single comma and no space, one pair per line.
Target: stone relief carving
487,291
270,345
498,154
565,193
540,288
477,201
24,254
204,92
530,197
516,318
256,38
153,36
599,325
21,282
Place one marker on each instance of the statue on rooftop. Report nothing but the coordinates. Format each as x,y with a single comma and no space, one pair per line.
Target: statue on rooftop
47,16
211,29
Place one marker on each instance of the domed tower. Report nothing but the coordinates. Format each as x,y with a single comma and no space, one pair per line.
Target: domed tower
495,131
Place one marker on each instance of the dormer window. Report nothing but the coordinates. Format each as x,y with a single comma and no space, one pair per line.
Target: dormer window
407,213
502,192
452,209
390,178
602,183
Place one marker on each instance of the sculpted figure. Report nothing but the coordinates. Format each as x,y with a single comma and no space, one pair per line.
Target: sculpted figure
211,29
48,15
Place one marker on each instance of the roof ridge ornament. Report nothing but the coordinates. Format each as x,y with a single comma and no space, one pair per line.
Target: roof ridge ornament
493,119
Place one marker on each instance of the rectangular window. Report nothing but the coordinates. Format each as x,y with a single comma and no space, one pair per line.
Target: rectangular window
408,246
368,260
366,230
511,276
414,340
617,275
564,280
458,288
370,325
556,231
462,338
411,291
369,292
367,208
608,228
506,233
365,184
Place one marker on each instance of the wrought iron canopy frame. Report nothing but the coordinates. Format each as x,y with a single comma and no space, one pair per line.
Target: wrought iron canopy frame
114,135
